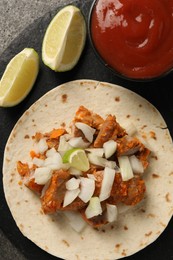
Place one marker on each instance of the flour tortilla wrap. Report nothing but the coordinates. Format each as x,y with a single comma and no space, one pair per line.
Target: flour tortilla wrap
135,228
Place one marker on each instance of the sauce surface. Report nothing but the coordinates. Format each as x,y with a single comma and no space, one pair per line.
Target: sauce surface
134,37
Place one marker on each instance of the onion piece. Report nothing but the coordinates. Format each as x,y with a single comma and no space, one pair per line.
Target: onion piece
78,142
42,146
91,176
67,137
50,152
131,151
112,165
112,212
42,175
45,188
75,172
70,196
108,179
109,148
86,130
94,208
72,184
96,151
55,162
136,164
96,160
125,168
35,148
75,220
87,187
144,142
63,145
131,129
38,162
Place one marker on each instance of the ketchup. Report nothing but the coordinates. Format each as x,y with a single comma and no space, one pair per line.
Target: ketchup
134,37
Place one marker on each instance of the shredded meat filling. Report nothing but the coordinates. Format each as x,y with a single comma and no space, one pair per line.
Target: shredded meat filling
128,192
110,129
132,145
85,116
25,172
53,198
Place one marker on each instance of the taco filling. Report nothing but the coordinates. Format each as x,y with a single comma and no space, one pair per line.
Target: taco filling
91,170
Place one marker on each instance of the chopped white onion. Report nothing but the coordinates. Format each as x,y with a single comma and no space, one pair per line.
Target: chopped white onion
91,176
78,142
72,184
111,164
50,152
112,212
75,172
45,188
87,187
96,151
131,151
131,129
96,160
63,145
30,164
107,182
42,175
75,220
67,137
144,142
35,148
86,130
136,164
70,196
109,148
38,162
42,146
94,208
55,162
125,168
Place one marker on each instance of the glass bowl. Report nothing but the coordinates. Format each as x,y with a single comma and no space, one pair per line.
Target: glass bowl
102,58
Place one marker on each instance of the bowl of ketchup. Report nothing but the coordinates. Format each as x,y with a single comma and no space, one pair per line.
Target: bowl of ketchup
133,38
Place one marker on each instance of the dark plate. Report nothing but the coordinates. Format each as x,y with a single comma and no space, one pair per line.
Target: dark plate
159,92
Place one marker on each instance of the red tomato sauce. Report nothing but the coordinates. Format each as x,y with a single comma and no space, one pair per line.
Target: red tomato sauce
134,37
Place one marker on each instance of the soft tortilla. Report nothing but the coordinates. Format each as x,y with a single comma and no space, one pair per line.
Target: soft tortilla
136,228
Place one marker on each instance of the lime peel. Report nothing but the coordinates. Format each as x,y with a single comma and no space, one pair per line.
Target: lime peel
77,158
67,154
64,39
19,77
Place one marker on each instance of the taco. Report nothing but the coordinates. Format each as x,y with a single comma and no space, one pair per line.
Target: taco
84,164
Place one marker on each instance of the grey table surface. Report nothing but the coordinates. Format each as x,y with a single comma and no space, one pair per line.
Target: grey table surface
15,15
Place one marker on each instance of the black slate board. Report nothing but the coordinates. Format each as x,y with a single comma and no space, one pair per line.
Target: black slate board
159,92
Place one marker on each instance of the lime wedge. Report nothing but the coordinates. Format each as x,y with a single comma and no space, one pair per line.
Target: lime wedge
64,39
77,158
19,77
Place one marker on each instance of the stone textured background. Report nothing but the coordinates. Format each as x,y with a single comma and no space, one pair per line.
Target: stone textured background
15,15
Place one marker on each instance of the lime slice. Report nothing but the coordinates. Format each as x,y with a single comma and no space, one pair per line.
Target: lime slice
64,39
77,159
19,77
